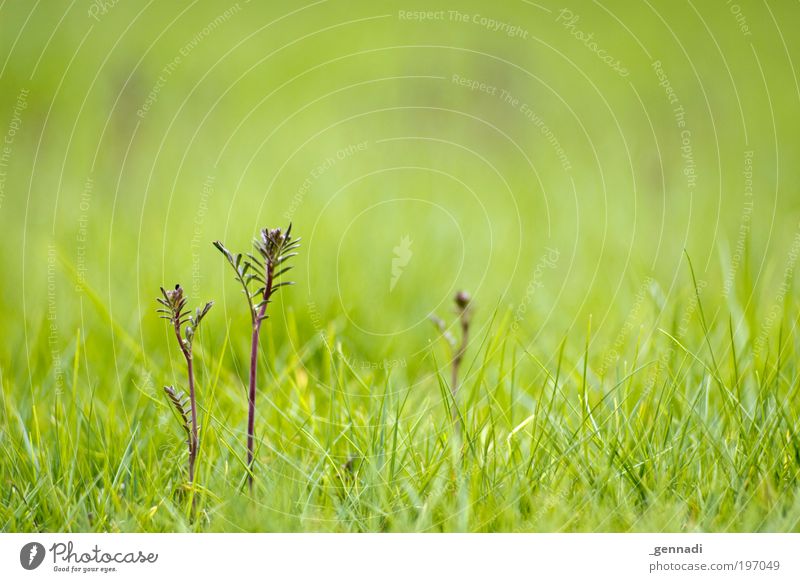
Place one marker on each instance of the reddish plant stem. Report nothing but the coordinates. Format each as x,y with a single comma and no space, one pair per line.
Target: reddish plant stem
194,440
251,399
457,359
193,437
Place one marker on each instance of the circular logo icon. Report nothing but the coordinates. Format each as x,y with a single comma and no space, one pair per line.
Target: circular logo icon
31,555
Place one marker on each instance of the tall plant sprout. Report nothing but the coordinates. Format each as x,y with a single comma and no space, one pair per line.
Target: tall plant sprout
260,274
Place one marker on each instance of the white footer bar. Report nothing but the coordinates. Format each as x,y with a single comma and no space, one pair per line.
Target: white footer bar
409,557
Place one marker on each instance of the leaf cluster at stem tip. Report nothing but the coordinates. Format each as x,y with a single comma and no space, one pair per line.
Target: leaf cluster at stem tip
259,273
174,310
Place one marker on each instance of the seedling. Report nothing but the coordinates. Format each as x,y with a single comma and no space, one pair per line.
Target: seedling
258,275
185,327
463,304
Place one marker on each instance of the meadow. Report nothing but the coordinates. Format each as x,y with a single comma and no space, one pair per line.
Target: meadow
614,184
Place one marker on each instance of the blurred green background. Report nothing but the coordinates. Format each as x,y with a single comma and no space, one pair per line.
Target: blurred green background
494,139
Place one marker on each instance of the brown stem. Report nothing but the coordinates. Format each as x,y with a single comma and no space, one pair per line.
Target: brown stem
193,437
457,359
251,397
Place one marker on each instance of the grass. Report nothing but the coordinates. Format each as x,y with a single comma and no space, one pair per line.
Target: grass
633,348
688,431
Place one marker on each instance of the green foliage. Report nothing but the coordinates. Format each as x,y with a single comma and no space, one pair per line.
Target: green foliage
664,441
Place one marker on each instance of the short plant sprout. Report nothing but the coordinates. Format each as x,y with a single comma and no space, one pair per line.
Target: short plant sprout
185,325
463,303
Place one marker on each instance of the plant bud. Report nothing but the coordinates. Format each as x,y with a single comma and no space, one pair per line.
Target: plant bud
462,299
